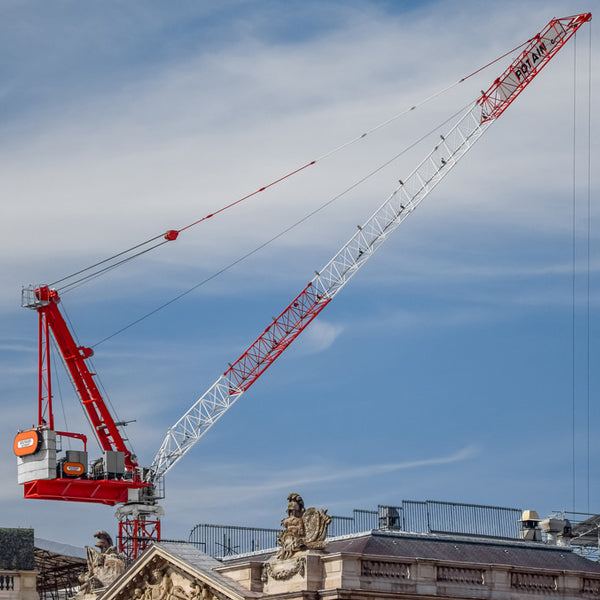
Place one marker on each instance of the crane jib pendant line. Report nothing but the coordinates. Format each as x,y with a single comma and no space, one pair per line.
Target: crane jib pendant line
116,478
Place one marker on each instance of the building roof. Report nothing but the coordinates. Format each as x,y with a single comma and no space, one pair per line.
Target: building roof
60,548
202,563
185,561
390,564
59,566
190,555
460,549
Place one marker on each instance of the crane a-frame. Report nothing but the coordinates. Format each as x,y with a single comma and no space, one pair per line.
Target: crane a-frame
116,478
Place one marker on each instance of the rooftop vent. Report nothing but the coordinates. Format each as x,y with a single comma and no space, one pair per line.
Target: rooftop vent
530,526
558,531
389,518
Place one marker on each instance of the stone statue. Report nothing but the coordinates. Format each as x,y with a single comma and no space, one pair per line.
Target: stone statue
200,591
104,566
164,585
160,588
303,528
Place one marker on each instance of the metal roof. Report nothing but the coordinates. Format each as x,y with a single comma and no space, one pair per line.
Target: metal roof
60,548
587,533
464,550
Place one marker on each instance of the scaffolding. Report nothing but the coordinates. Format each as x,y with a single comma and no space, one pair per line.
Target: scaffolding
58,569
585,532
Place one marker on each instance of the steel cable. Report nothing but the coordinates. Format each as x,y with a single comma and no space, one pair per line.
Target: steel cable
172,234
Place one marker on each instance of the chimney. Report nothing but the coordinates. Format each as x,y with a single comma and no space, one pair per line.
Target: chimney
558,531
530,529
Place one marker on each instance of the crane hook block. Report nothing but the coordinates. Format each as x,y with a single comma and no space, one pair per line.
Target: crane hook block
171,235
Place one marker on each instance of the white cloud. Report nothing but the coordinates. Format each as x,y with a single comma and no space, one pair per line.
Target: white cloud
298,477
319,336
191,136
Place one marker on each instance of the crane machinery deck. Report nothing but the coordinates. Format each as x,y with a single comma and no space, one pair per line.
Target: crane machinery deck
116,479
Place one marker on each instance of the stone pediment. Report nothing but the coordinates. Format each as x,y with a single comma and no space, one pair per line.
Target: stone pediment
175,572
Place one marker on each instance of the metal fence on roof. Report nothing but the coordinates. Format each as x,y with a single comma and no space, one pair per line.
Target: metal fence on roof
226,540
361,520
461,519
413,516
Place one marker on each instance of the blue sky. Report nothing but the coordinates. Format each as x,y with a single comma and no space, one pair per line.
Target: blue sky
443,371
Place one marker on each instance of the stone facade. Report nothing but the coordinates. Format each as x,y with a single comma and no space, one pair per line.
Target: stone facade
176,572
18,585
17,565
377,565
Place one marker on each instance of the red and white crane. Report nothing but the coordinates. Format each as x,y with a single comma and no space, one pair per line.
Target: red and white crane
116,478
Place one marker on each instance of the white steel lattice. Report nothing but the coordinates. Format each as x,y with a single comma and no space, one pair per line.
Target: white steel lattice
193,425
329,281
400,203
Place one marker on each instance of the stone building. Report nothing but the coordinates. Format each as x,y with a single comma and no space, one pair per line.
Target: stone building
376,565
17,564
373,565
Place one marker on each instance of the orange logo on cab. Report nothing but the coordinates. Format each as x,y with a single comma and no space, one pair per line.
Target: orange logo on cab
27,442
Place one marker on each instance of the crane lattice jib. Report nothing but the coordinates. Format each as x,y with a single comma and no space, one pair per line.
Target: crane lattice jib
536,55
331,279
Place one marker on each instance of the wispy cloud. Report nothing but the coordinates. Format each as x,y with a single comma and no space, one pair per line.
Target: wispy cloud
308,475
351,473
319,337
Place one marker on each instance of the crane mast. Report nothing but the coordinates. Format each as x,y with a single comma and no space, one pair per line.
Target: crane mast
136,490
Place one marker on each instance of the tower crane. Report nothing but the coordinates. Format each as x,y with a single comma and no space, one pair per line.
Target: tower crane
116,479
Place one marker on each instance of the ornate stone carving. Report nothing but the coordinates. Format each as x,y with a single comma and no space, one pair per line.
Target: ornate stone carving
534,582
304,528
462,575
200,591
383,568
161,586
282,570
104,566
160,582
590,586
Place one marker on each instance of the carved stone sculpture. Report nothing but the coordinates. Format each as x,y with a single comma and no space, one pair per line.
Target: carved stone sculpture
200,591
104,566
283,570
303,528
159,581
